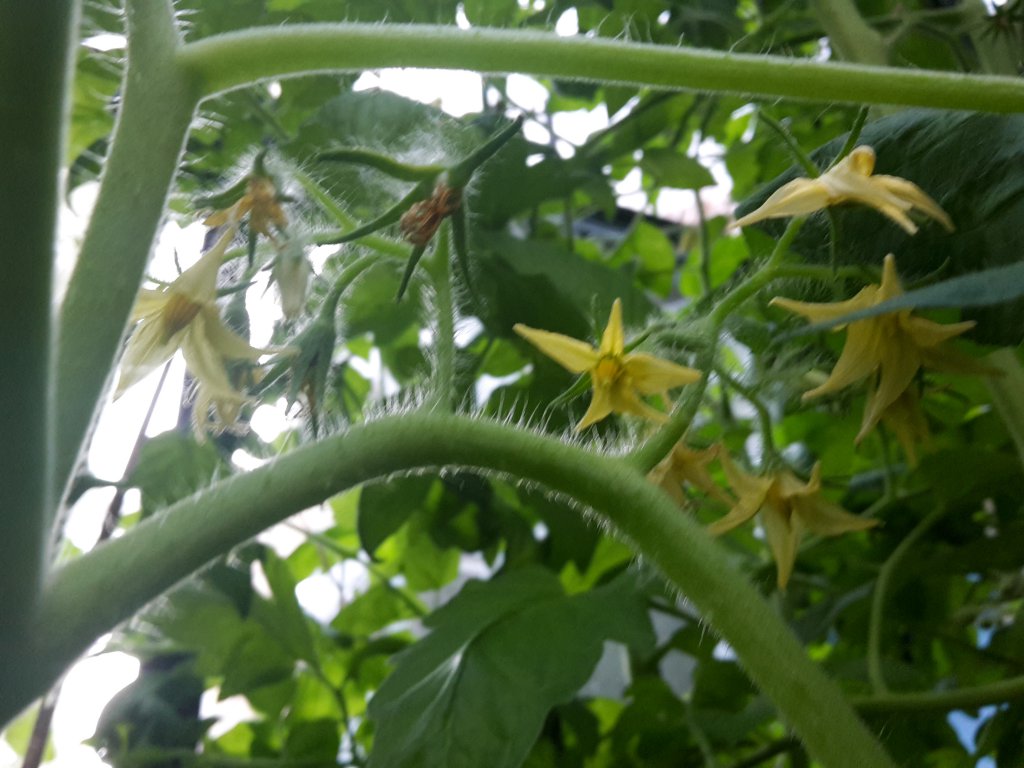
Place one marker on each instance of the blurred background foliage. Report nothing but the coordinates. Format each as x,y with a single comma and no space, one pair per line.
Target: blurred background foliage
484,623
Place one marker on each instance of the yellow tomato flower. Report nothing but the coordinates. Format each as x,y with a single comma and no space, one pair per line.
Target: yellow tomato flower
851,180
619,379
260,202
788,507
895,346
184,315
686,466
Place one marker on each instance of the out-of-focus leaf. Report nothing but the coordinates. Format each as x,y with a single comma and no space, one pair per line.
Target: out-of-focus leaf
672,169
172,466
385,506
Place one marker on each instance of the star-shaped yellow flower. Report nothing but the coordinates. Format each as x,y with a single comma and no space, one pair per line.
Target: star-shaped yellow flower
619,378
184,315
788,507
895,346
686,466
851,180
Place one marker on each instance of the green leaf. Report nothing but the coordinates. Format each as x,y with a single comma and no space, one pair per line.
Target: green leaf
476,690
673,169
282,616
313,740
384,507
172,466
373,610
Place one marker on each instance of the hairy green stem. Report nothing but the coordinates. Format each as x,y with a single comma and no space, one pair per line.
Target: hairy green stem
657,447
801,157
440,271
223,62
849,35
875,673
93,593
155,113
764,418
942,701
36,52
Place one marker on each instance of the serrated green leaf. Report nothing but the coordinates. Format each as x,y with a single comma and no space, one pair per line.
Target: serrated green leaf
476,690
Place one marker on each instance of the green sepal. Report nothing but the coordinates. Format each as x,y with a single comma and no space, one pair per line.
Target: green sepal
410,266
421,191
460,173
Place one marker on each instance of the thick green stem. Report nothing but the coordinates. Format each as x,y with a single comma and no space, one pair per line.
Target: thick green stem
849,35
93,593
882,592
154,118
231,60
36,51
440,271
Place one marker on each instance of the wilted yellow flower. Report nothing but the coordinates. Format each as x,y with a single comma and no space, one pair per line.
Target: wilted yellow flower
260,202
788,507
851,180
618,378
895,345
184,315
686,466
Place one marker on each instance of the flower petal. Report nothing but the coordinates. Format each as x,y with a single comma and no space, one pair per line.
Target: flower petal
199,282
651,375
900,362
891,286
625,400
751,492
226,342
926,333
916,197
858,359
820,313
827,518
572,354
600,407
147,350
744,509
783,534
613,340
207,366
796,198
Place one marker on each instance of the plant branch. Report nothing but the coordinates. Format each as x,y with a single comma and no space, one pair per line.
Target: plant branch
36,53
439,268
647,456
881,592
849,35
159,100
223,62
942,701
91,594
